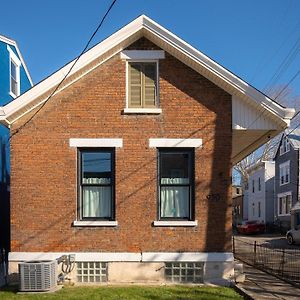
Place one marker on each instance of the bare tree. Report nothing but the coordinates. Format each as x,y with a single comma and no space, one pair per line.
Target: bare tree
285,97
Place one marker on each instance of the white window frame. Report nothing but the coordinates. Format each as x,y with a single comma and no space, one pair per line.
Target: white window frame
143,56
15,60
282,172
285,146
90,143
282,195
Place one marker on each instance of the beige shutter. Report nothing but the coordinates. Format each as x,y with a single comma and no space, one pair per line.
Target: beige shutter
135,85
149,92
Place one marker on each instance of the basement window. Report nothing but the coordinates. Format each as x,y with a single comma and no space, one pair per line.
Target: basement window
184,272
91,272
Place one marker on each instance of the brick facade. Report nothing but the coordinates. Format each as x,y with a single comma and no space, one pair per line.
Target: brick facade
43,165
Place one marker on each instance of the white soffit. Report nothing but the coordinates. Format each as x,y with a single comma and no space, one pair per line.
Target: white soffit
144,26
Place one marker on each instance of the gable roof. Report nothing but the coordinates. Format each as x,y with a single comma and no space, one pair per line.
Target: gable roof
14,44
144,26
294,137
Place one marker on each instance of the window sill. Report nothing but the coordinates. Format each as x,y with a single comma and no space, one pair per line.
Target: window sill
284,215
153,111
13,95
175,223
281,184
95,223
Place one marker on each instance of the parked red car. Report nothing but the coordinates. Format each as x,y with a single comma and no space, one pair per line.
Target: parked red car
248,227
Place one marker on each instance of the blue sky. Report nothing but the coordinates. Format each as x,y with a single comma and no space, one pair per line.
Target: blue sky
250,38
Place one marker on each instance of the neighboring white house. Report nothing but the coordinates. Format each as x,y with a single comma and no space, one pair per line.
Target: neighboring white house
261,192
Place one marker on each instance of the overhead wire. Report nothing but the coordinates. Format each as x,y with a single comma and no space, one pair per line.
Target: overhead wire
67,74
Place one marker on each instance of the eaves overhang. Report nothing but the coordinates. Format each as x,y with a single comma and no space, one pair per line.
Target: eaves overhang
14,44
144,26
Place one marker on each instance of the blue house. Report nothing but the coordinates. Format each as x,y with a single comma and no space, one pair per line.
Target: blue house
14,80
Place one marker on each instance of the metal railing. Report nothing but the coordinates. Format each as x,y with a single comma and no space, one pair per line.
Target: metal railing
283,263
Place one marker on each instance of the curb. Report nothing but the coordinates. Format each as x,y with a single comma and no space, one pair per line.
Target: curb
242,292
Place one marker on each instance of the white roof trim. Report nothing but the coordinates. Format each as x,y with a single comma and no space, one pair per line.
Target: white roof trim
14,44
149,26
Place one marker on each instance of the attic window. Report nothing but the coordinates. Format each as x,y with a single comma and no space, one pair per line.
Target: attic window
14,73
142,95
142,85
285,146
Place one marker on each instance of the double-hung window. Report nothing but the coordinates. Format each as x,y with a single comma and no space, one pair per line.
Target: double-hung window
142,84
96,179
176,184
14,73
285,146
284,204
284,172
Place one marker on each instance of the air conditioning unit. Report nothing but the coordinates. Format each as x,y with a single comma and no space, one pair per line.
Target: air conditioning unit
38,276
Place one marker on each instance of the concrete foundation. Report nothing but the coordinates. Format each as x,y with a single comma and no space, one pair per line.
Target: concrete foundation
219,273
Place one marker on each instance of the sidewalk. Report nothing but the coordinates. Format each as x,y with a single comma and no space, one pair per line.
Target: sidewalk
261,286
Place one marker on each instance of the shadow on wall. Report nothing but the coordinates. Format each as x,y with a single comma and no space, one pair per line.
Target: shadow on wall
4,198
215,129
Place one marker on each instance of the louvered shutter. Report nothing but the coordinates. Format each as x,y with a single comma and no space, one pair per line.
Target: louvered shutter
135,85
149,92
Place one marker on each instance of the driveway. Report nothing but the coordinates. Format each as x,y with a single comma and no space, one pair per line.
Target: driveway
275,241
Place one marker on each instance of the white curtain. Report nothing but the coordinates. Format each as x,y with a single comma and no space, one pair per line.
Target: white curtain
174,201
96,200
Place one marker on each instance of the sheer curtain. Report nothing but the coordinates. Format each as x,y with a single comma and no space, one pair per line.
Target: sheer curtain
174,200
96,200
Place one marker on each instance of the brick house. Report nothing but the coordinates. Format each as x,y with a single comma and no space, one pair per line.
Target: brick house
128,166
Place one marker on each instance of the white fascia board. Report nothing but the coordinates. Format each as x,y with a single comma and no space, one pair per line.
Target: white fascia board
14,44
101,142
142,54
2,111
126,256
54,79
145,23
177,143
218,70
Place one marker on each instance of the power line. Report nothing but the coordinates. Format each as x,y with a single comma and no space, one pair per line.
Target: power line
67,74
285,87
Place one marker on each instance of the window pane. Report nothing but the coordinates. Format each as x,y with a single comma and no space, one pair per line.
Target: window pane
150,74
174,202
174,168
13,70
96,167
135,88
96,202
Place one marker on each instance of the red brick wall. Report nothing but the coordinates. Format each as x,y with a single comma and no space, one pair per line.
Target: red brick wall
43,166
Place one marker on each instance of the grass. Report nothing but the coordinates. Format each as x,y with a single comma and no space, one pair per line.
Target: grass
132,293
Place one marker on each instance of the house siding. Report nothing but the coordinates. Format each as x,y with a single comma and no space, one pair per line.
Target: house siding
43,167
5,97
292,186
264,171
